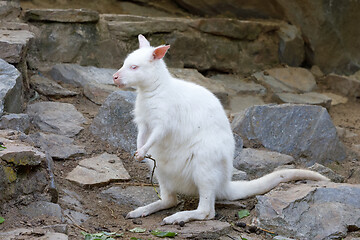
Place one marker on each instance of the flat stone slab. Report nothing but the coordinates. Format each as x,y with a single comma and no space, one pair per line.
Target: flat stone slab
211,229
335,98
39,234
134,196
80,76
48,87
291,79
241,103
311,211
99,170
42,208
311,98
13,44
238,85
58,146
56,117
62,15
260,162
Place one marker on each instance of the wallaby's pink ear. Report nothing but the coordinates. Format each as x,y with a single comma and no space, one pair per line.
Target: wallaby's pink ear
143,42
160,52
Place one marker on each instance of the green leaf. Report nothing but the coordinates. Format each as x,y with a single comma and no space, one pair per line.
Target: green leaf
2,220
243,213
138,230
163,234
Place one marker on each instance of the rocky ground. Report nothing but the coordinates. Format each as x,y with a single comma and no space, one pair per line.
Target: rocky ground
68,167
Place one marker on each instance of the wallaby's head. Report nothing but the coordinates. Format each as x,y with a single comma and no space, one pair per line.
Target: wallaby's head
143,67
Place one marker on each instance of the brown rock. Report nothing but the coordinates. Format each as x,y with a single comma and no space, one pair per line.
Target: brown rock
62,15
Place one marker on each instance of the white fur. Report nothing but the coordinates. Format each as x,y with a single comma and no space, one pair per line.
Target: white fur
184,127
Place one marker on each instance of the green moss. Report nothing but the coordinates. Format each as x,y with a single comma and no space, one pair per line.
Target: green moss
10,174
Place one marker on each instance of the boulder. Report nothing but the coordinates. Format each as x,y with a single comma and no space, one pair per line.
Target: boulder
11,97
19,122
291,45
50,117
14,44
302,131
48,87
290,79
257,163
62,15
310,211
114,121
309,98
58,146
97,93
99,170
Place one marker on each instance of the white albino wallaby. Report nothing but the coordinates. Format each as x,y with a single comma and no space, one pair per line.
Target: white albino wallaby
184,127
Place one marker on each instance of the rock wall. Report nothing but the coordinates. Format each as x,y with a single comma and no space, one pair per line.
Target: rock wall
329,28
225,45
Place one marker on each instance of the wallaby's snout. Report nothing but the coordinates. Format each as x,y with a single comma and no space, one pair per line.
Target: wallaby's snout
117,80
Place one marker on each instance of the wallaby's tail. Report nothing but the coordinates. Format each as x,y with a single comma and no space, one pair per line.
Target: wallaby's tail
245,189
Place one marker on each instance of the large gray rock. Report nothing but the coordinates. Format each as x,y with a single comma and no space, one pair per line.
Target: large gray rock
114,121
302,131
11,98
19,233
56,117
311,211
99,170
13,44
257,163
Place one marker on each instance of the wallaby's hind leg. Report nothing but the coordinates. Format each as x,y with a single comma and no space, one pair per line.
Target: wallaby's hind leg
205,210
168,200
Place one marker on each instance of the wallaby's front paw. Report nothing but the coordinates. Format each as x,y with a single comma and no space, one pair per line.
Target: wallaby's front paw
140,154
139,212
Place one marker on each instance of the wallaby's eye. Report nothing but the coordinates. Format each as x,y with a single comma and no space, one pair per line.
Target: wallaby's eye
134,67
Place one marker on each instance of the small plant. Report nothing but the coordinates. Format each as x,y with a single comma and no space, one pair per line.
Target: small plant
2,147
102,236
163,234
2,220
243,213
